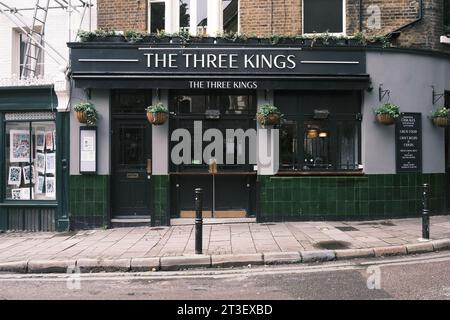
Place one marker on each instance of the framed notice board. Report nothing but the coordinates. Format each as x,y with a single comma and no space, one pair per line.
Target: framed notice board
88,150
408,142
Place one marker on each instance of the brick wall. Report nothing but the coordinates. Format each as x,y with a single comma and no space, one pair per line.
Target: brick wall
267,17
122,15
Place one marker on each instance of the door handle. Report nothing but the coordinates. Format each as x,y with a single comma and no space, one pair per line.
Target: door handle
149,166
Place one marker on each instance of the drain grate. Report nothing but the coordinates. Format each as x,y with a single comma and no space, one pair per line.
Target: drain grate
347,228
383,223
267,224
157,228
332,245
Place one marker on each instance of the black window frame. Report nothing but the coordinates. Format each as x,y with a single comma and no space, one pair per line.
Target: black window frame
332,125
326,17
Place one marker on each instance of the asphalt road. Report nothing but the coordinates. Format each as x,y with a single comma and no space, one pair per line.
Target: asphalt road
412,277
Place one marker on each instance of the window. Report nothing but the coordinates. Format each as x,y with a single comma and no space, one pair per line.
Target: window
193,15
324,16
30,158
321,131
20,45
157,15
230,15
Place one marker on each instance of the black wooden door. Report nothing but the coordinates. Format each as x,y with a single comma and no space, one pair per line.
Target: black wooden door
131,167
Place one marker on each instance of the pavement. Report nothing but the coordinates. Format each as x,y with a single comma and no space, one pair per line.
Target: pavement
224,245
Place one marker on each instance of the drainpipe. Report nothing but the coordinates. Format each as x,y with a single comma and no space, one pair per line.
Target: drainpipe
394,34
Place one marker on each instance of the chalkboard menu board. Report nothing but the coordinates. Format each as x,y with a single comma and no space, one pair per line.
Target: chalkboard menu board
408,142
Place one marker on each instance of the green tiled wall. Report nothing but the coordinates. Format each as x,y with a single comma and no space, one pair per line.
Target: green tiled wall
88,201
160,199
362,197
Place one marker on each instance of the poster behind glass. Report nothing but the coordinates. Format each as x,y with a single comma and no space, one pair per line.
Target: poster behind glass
30,161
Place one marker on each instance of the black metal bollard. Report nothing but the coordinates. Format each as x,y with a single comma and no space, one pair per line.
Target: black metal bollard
425,213
198,221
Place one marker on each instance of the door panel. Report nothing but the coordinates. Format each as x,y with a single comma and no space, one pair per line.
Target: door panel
131,183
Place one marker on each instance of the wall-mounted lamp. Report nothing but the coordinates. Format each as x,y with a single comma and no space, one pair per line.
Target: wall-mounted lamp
323,134
312,133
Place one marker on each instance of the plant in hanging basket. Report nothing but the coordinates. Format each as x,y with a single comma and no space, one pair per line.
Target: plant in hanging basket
387,113
441,117
157,114
86,113
269,115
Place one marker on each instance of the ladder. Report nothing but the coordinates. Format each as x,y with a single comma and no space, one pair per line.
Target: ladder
33,51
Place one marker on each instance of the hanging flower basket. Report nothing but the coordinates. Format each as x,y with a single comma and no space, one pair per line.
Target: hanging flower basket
387,113
157,114
81,116
86,113
441,117
441,122
269,115
385,119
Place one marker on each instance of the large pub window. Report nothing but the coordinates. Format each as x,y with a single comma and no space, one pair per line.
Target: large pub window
30,156
324,16
322,131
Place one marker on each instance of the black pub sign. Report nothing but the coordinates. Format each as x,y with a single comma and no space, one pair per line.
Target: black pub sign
408,140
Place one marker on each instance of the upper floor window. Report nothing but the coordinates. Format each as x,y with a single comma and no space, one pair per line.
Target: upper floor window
157,15
198,17
36,62
320,16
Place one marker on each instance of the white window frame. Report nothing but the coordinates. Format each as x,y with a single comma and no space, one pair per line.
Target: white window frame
16,60
172,17
344,21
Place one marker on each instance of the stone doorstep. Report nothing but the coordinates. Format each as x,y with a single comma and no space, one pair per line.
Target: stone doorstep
107,265
229,260
50,266
282,257
184,262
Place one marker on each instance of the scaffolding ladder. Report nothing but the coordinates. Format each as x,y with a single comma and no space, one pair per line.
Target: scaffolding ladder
33,51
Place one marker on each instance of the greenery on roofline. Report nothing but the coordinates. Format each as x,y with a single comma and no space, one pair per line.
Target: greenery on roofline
184,37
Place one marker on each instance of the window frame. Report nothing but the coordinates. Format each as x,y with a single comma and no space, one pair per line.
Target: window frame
16,59
344,22
4,168
149,14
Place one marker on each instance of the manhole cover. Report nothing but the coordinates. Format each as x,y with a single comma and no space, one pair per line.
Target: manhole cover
347,228
332,245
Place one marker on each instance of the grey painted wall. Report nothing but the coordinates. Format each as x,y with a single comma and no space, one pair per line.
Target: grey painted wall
408,77
100,98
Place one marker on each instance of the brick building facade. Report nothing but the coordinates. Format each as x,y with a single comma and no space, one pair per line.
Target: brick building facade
284,17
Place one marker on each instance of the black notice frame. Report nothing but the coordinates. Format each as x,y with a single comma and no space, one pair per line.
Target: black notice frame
408,142
94,129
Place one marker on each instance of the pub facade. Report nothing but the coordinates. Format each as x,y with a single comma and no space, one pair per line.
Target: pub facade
329,159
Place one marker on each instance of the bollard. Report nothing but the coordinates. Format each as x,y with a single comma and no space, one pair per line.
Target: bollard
425,213
198,221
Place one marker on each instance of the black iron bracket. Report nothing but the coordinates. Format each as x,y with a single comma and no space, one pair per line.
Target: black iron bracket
437,96
382,93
